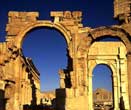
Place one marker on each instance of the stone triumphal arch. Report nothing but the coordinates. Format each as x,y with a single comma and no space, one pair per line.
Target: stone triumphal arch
19,79
112,54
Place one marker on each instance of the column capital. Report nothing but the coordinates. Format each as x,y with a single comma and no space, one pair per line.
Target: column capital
61,74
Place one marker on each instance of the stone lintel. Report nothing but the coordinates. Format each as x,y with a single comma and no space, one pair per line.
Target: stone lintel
75,14
56,14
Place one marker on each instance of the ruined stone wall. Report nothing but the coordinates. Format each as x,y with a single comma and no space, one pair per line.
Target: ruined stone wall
30,83
18,76
15,82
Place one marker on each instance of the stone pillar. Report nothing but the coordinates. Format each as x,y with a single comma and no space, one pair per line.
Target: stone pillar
124,97
90,103
62,78
129,76
115,88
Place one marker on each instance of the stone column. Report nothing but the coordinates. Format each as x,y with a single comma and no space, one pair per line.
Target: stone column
115,88
124,97
90,93
62,78
129,76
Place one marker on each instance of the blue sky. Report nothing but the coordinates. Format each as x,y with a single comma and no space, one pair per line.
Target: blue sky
47,47
102,77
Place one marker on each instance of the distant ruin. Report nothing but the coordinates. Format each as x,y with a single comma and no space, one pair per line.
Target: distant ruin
102,98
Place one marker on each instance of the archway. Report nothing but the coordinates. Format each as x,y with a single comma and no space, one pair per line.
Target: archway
55,55
47,49
107,53
27,21
120,33
102,87
19,38
113,32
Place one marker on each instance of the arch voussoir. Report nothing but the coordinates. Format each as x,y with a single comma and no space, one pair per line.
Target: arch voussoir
113,32
21,35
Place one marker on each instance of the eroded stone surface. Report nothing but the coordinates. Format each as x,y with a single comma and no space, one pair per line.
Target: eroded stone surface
19,76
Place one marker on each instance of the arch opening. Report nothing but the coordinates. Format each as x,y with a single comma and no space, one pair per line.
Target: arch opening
114,32
20,37
106,52
112,39
48,54
108,38
45,53
102,87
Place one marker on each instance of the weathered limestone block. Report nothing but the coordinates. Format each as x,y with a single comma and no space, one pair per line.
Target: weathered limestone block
122,13
17,21
18,17
67,18
67,100
72,104
22,80
58,16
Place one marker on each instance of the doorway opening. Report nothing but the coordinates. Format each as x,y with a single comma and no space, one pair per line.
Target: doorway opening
102,87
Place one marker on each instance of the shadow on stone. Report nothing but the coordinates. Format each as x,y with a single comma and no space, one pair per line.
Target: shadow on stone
2,100
122,105
60,99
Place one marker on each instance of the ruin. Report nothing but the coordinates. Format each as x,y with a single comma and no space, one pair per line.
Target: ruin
102,99
84,53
